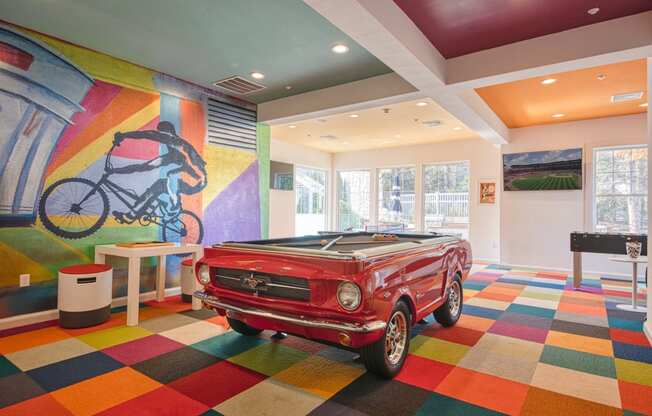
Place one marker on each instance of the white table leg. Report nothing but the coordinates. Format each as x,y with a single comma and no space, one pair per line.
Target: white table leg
133,291
160,279
100,258
634,283
196,303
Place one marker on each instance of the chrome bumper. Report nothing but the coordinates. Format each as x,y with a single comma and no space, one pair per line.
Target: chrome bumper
296,320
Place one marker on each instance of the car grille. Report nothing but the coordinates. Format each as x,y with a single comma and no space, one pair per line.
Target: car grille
263,284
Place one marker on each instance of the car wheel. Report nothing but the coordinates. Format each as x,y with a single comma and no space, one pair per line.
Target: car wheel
386,356
449,313
242,328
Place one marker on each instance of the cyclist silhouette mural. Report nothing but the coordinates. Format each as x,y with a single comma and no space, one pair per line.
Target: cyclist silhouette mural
78,207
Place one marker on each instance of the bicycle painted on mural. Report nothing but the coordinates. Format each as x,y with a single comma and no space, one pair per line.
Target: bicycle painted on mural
77,207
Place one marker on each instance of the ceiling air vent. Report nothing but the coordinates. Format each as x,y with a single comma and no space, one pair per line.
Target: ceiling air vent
230,125
238,85
628,96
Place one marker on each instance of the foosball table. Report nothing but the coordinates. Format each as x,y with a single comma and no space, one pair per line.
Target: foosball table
604,243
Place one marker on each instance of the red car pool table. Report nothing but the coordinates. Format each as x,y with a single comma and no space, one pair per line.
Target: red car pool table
361,291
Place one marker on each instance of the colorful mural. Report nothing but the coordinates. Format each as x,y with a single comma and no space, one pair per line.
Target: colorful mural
95,150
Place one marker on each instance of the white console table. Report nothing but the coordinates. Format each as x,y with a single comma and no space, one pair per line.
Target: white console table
134,255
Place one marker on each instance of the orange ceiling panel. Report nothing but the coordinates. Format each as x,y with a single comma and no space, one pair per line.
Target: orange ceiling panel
578,95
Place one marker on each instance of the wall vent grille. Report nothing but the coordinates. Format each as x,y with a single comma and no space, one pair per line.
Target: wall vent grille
230,125
238,85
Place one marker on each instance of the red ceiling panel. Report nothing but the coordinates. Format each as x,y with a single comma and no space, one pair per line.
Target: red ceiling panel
459,27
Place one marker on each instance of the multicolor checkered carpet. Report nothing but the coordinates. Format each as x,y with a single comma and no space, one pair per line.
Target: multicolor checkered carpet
526,344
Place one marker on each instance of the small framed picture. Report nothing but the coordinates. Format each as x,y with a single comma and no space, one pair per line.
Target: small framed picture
487,191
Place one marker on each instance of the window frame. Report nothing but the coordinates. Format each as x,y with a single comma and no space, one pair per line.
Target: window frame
326,193
594,171
418,191
423,189
336,196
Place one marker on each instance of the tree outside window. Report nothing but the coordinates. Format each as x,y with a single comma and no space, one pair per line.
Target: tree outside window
620,200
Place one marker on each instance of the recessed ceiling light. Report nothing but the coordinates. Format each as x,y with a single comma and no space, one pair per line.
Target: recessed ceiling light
593,11
340,48
288,87
344,142
549,81
458,128
257,75
292,126
558,115
354,115
398,136
601,77
422,104
643,105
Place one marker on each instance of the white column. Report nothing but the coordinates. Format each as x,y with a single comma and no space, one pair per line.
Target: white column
648,324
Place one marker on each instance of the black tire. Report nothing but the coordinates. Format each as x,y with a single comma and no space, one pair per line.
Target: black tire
242,328
58,230
449,313
191,222
376,356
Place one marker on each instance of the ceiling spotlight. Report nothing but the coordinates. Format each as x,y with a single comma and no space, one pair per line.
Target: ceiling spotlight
354,115
601,77
288,87
643,105
340,48
422,104
458,128
593,11
558,115
257,75
291,126
549,81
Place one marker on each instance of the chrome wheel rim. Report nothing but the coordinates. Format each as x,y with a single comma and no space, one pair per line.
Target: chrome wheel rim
455,298
396,337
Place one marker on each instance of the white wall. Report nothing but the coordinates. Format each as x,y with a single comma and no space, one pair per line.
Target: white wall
281,203
484,161
536,224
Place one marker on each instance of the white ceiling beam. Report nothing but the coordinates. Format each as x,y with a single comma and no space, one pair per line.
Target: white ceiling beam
383,29
624,39
353,96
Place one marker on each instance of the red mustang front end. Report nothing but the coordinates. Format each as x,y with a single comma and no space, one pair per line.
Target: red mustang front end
359,290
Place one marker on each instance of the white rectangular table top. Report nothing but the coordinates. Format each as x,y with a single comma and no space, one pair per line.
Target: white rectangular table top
177,248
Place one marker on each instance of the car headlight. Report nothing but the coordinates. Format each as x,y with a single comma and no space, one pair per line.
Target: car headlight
349,295
204,275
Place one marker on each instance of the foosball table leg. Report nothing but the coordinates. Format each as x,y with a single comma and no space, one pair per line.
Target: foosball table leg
577,269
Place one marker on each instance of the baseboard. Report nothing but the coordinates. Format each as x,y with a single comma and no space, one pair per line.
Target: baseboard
647,328
37,317
623,276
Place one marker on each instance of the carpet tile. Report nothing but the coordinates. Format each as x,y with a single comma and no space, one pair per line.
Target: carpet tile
269,358
175,364
526,343
142,349
64,373
102,392
228,344
49,353
581,361
162,401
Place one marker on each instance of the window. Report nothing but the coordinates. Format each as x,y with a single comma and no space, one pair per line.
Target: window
353,200
310,191
620,184
446,198
396,199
